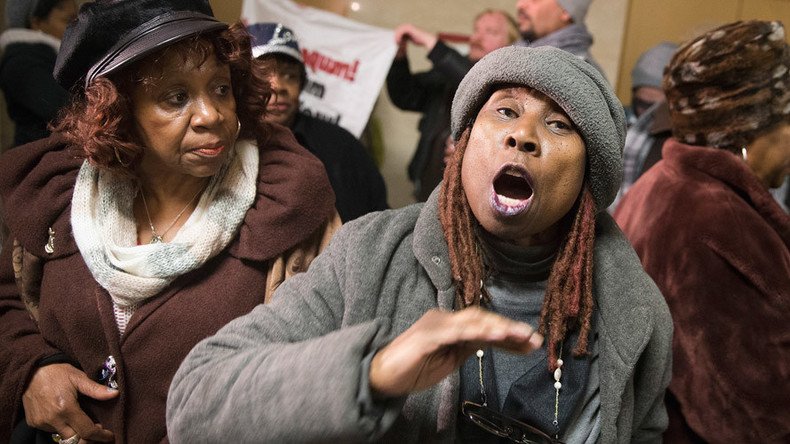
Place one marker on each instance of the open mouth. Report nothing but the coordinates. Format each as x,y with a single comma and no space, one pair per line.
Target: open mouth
512,190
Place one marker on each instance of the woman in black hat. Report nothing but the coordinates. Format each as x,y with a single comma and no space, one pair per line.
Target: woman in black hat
162,207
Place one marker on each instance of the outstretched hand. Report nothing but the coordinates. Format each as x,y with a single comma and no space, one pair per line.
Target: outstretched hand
50,402
438,343
407,32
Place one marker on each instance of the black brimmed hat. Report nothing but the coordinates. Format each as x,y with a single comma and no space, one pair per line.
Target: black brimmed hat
110,34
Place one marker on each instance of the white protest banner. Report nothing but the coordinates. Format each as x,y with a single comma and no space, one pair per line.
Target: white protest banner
346,61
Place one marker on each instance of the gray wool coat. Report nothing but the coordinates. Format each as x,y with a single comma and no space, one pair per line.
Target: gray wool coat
291,370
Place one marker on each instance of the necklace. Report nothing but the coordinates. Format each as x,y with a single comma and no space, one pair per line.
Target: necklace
157,238
557,386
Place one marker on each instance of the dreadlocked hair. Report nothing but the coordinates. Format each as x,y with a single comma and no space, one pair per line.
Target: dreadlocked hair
457,220
568,303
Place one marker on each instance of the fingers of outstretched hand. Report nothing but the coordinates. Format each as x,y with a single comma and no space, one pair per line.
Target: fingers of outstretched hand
439,342
482,328
50,402
408,32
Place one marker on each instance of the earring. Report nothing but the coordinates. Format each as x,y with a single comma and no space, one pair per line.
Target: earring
743,153
238,128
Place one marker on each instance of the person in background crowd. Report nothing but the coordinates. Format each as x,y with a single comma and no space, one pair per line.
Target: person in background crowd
715,241
356,181
367,344
557,23
29,48
646,77
651,126
162,207
431,92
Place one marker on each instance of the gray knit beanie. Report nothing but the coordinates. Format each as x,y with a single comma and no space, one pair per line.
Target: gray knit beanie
575,85
19,12
649,68
577,9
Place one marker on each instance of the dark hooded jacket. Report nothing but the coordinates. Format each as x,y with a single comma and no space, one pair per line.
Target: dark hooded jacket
430,93
33,97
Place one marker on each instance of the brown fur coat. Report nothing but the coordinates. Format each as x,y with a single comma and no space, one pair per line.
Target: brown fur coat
716,243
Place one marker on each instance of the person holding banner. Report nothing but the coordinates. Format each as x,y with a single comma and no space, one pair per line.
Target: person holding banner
430,92
508,302
356,181
162,207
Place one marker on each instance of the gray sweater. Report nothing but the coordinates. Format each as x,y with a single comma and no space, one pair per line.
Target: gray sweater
290,371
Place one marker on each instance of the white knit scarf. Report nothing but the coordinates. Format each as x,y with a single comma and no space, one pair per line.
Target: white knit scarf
106,232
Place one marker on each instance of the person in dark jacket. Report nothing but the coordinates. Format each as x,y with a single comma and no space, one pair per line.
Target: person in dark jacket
162,207
29,48
431,92
356,181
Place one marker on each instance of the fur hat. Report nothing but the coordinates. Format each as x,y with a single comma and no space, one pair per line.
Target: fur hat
649,68
274,38
577,9
729,85
575,85
110,34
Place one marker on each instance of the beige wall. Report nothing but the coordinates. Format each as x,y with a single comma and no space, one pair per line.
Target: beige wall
650,22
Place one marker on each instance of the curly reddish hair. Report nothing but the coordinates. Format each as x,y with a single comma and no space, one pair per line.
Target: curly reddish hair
99,123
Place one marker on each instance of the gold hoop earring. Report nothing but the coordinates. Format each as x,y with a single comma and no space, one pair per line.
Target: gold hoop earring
238,128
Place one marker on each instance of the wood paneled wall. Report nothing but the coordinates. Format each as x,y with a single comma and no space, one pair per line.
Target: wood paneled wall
650,22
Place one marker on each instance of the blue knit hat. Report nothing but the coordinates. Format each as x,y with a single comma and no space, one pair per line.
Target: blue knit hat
274,38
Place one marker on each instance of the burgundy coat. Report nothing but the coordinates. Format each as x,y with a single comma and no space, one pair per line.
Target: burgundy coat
716,243
75,314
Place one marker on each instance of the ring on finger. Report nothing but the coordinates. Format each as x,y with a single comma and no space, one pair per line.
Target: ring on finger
59,439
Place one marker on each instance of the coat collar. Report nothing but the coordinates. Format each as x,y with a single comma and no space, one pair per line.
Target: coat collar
294,199
430,247
726,167
622,294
